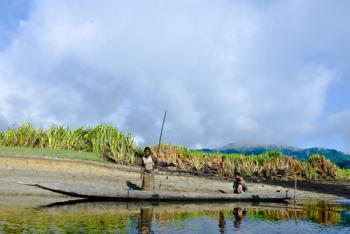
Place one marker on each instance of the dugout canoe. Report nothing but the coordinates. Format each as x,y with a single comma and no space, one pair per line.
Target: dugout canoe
108,193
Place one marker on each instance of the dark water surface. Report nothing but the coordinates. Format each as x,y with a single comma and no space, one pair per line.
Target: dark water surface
39,215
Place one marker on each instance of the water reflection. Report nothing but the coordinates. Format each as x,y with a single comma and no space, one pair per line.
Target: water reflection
120,217
222,222
145,221
239,214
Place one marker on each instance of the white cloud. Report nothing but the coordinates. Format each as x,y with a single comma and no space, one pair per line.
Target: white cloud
336,131
226,71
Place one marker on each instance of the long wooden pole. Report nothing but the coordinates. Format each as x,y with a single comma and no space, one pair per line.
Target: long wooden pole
161,132
295,186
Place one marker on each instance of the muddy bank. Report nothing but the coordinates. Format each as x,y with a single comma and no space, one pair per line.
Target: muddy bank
32,169
335,187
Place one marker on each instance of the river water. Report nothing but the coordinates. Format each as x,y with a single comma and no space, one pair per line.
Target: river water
48,215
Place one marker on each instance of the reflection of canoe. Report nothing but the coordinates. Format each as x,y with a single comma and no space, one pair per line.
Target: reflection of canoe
81,204
108,193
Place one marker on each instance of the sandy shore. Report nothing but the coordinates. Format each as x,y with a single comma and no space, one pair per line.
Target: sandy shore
32,169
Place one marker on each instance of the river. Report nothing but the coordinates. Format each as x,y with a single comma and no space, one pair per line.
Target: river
30,214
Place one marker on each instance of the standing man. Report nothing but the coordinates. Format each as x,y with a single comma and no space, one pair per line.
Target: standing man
222,167
147,167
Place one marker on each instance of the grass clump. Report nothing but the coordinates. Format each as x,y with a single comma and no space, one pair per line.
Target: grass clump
322,166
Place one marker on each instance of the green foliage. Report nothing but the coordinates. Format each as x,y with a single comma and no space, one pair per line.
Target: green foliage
337,157
344,173
111,144
271,164
311,173
323,166
58,153
104,140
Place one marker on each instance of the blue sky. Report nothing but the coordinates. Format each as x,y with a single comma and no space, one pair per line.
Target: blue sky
11,13
249,72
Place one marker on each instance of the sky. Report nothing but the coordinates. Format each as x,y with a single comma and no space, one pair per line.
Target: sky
248,72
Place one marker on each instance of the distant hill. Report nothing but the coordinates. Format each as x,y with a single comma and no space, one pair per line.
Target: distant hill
339,158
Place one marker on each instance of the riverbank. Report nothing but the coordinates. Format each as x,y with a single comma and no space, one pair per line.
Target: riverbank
38,169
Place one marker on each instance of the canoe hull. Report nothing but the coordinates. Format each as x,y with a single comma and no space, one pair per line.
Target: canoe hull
107,193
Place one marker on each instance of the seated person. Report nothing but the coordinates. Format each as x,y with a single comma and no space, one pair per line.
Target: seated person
239,185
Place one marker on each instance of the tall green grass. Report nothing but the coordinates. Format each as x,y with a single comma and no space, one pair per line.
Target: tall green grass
266,165
105,140
113,145
345,173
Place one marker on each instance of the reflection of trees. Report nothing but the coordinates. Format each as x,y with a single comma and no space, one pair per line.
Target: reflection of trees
14,220
145,221
323,213
319,213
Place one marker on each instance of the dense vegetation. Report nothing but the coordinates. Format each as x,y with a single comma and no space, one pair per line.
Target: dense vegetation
267,165
111,144
104,140
339,158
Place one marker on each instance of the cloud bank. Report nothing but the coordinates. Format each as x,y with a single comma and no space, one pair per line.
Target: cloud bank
226,71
